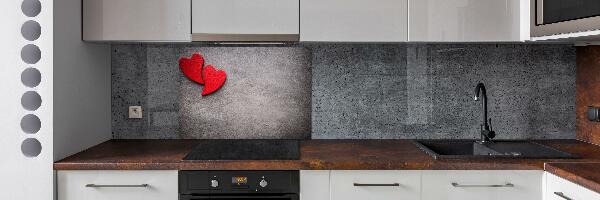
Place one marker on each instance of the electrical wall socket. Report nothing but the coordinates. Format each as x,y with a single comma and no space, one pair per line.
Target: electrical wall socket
135,112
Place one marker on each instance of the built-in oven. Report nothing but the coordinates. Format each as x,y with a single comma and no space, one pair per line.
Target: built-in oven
238,185
552,17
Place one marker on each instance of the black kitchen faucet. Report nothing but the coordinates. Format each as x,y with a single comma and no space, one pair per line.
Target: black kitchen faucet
487,134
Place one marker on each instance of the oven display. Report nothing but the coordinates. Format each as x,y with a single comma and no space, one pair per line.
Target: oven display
239,180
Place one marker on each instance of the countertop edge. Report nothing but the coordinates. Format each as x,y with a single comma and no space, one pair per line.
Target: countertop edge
572,177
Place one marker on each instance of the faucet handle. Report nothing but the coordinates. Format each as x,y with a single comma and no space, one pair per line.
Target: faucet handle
492,133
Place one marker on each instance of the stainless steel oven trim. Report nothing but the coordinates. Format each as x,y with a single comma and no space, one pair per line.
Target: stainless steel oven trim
573,26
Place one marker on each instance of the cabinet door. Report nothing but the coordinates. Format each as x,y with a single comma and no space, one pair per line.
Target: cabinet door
216,20
375,185
560,189
117,185
468,21
353,20
136,20
482,185
314,185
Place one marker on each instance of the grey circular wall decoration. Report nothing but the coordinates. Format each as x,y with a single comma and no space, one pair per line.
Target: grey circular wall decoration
31,54
31,30
31,147
31,8
31,77
31,100
31,124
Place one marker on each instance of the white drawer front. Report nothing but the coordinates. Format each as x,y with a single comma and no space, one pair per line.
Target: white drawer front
560,189
482,185
314,184
343,188
162,185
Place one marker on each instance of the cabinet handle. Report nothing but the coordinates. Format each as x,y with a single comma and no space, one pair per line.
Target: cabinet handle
115,186
376,184
467,186
562,195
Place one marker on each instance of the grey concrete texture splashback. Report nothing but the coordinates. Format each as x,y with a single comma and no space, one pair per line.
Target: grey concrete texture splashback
347,91
426,91
266,94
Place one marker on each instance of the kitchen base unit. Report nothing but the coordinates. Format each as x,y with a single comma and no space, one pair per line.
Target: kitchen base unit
117,185
482,184
560,189
421,184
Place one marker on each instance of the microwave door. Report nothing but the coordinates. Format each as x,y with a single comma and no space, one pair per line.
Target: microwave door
556,11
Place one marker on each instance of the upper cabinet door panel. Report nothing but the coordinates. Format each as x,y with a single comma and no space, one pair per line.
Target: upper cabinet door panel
468,20
224,17
354,20
136,20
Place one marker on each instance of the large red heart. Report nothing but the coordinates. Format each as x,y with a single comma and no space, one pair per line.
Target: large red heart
213,79
192,67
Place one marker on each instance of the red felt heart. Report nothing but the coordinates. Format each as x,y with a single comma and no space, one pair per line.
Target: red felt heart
213,79
192,67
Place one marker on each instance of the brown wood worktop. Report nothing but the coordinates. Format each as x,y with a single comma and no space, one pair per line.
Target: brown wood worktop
314,154
584,174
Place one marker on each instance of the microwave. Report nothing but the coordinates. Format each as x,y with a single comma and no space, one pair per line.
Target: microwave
553,17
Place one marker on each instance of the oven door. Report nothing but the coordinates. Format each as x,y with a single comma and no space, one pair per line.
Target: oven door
551,17
239,197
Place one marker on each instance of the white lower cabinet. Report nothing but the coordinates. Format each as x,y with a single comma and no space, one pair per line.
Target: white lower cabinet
482,185
314,184
375,185
117,185
560,189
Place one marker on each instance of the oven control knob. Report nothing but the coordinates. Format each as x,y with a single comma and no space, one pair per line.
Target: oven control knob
263,183
214,183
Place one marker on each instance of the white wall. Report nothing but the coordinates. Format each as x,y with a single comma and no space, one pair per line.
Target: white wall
23,177
81,84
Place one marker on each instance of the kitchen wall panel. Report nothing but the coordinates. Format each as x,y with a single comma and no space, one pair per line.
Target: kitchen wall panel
347,91
426,90
588,81
266,94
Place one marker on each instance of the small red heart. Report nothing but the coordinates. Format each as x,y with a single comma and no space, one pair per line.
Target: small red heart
213,79
192,67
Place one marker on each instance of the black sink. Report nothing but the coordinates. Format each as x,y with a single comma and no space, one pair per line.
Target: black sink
469,149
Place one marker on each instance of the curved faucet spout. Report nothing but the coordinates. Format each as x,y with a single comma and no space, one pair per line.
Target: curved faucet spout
486,133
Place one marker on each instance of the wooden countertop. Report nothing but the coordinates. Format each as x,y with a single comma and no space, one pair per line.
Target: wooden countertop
314,154
331,155
584,174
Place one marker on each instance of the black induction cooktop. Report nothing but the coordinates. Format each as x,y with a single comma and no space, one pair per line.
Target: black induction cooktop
245,150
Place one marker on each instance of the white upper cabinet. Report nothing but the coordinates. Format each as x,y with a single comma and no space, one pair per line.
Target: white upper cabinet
136,20
468,20
245,20
354,20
